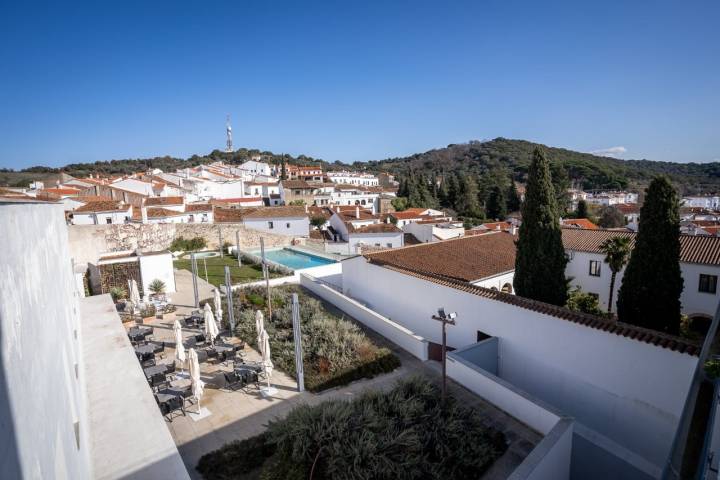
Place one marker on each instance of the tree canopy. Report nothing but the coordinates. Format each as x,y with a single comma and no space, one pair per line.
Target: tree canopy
540,260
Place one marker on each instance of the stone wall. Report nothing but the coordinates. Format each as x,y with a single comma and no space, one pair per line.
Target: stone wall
87,242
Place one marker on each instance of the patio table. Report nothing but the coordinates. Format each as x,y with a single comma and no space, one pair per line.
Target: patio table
183,392
155,370
248,375
148,349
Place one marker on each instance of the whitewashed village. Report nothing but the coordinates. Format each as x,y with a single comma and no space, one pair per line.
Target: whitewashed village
220,298
360,241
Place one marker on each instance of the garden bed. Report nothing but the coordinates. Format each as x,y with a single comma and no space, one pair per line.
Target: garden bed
335,350
405,433
216,269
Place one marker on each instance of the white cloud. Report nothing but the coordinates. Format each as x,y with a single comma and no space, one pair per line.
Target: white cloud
615,152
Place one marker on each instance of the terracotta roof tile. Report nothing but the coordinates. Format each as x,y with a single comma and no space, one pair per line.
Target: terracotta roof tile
103,206
591,321
701,249
466,258
156,201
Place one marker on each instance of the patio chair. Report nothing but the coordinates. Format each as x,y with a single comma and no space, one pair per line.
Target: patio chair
233,381
149,362
170,406
161,353
202,356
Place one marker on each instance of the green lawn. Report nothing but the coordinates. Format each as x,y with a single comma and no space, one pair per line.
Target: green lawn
216,270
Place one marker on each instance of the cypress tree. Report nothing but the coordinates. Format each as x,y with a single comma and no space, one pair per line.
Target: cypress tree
453,189
283,171
495,205
414,195
467,202
540,261
443,194
652,283
513,198
582,210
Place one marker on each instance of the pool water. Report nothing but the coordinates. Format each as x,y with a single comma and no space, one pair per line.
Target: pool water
294,259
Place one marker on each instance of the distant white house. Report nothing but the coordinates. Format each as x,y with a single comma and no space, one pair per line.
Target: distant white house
256,168
354,178
286,220
102,213
711,202
699,265
426,231
352,230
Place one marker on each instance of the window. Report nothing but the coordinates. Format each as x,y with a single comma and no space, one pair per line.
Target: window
287,225
270,225
482,336
108,220
594,268
389,245
708,283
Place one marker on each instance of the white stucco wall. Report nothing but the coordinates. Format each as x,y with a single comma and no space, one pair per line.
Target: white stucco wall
693,301
41,396
498,282
100,218
295,226
385,240
159,267
629,391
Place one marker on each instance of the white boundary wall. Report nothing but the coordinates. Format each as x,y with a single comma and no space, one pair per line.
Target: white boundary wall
401,336
630,391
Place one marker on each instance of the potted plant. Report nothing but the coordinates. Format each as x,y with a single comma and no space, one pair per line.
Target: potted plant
157,287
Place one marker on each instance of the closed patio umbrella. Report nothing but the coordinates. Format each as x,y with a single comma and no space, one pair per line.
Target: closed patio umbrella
198,386
211,328
134,295
259,328
267,364
218,305
179,347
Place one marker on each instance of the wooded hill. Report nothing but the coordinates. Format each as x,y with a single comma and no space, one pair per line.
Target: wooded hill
477,158
587,170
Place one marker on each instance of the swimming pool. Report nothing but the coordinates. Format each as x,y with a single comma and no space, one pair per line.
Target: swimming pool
295,259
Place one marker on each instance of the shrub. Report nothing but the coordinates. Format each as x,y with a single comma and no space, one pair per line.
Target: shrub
335,351
406,433
188,245
118,293
157,286
580,301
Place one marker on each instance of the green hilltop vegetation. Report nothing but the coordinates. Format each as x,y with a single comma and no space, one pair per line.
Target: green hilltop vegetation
586,170
499,157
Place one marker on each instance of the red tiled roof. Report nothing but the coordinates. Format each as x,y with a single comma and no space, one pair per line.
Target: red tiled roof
153,201
599,323
159,212
198,207
374,228
579,223
103,206
406,215
466,258
62,191
701,249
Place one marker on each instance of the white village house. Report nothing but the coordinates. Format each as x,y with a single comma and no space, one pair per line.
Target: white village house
699,265
102,213
351,229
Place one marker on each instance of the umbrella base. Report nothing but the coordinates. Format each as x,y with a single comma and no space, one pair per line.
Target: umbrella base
196,416
268,391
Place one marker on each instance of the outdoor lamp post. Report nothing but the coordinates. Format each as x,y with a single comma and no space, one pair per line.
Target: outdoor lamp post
445,319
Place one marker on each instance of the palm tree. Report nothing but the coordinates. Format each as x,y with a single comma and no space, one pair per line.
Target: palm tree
617,254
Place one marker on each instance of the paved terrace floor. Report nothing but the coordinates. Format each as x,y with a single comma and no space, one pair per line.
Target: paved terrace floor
244,413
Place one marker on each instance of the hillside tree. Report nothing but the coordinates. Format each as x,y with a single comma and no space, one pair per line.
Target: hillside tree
540,261
650,292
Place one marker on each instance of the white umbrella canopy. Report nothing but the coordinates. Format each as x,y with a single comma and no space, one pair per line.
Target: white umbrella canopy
267,364
259,328
198,386
211,328
134,294
218,305
179,347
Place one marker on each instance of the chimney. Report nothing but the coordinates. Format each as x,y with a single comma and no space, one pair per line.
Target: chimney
513,230
357,211
306,208
143,214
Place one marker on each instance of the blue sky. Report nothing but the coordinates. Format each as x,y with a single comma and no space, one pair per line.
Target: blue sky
356,80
